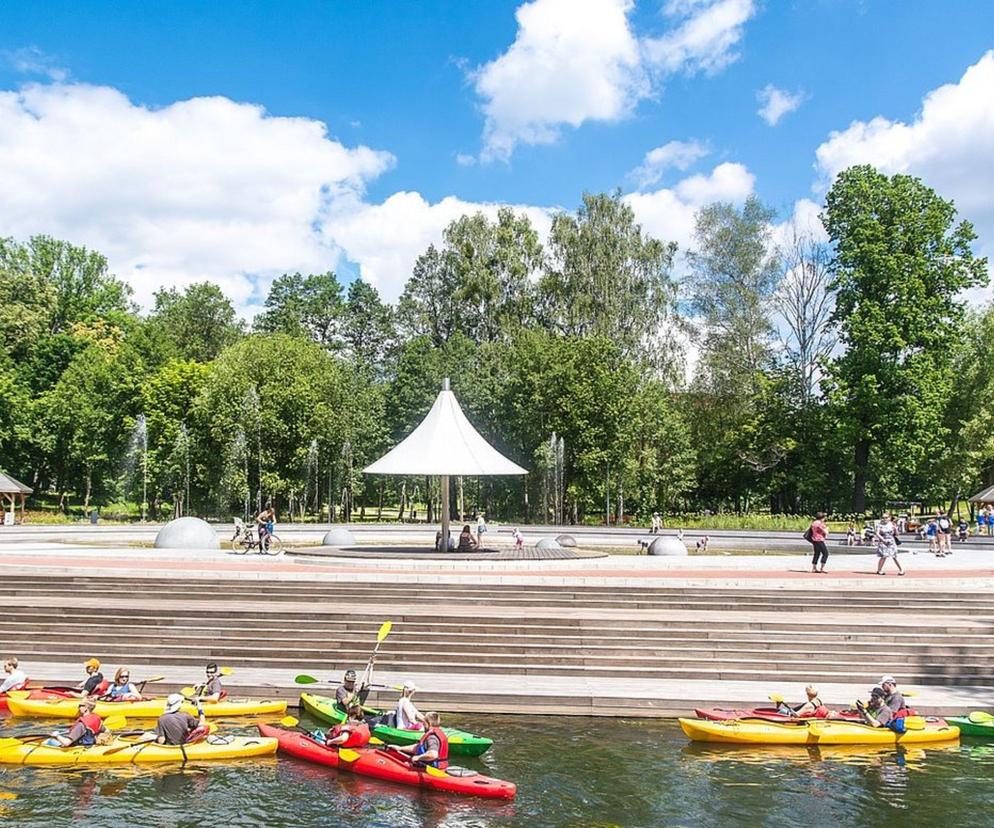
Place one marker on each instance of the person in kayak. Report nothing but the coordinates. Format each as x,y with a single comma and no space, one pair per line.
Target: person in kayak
86,730
211,690
812,708
876,713
177,727
93,684
893,697
347,693
122,689
16,679
432,748
407,716
351,733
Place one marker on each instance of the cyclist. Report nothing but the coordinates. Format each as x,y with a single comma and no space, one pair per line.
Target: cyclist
266,523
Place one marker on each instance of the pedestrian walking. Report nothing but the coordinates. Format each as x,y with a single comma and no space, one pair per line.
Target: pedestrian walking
887,543
932,533
817,535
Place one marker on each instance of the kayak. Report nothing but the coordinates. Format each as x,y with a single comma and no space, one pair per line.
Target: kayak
966,727
813,732
218,747
461,743
383,764
144,709
35,693
770,714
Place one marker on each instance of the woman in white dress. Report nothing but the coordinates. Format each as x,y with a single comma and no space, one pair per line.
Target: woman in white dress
886,537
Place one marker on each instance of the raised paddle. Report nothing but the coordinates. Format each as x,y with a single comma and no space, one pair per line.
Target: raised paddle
381,634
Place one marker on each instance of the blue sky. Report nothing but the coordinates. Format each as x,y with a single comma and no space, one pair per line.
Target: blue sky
422,85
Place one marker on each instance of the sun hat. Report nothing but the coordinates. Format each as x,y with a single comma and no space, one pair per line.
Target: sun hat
410,686
174,701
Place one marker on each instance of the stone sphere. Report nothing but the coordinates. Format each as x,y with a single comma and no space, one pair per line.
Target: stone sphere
338,537
548,543
667,546
187,533
566,540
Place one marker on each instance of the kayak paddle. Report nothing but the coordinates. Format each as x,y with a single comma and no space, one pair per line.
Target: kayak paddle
980,717
141,684
381,634
111,723
211,728
304,678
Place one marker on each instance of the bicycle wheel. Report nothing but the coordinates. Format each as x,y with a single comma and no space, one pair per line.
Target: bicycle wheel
238,545
274,546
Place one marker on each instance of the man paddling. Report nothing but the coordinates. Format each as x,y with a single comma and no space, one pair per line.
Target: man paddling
433,748
347,694
177,727
211,690
351,733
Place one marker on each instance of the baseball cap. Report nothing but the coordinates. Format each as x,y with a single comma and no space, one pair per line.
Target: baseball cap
877,692
887,680
92,662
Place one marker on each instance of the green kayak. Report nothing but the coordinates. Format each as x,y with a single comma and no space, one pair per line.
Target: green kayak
461,743
970,728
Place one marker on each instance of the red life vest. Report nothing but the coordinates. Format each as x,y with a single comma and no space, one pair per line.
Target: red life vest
442,762
358,734
102,688
93,723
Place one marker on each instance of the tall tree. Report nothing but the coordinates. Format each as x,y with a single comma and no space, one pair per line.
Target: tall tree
367,327
309,306
901,263
606,277
198,323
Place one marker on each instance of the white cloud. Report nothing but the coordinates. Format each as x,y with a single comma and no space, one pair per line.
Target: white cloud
570,62
201,189
573,62
775,103
677,154
465,160
386,239
705,38
33,61
669,213
949,144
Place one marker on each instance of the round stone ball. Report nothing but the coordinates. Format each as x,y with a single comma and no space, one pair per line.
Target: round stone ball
338,537
667,546
548,543
187,533
566,540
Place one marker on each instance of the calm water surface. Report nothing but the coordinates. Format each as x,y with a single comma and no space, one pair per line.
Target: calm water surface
569,772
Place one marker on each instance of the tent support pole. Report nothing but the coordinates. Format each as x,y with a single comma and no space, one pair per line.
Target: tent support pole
444,546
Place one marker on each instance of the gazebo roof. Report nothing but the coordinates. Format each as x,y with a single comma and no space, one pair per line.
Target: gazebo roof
8,485
984,496
445,443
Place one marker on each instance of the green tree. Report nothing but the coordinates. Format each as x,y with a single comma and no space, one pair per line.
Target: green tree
901,263
198,323
604,277
367,327
308,306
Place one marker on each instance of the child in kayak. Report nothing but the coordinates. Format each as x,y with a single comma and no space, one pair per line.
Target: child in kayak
351,733
16,679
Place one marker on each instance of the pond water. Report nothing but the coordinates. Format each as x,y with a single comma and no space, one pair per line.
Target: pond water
569,772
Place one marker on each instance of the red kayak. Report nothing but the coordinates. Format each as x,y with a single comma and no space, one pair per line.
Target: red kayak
387,765
768,714
35,693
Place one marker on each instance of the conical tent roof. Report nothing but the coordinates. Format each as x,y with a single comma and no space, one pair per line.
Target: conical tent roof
445,444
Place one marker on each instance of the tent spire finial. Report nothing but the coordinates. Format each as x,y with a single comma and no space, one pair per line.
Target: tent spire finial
445,384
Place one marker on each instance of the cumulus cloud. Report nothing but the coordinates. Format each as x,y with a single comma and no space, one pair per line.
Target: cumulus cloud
669,213
775,103
573,62
201,189
386,239
570,62
676,154
705,37
33,61
949,144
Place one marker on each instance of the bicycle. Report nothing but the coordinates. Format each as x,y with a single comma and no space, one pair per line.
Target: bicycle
246,539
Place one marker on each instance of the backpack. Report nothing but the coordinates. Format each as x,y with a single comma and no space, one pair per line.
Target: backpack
808,535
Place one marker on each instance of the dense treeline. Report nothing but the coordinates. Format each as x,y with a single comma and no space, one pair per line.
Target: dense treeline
833,375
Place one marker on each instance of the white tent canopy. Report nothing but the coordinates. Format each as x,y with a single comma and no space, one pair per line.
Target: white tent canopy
445,444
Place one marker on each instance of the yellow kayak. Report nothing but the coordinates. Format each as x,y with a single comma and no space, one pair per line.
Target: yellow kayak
218,747
145,709
815,732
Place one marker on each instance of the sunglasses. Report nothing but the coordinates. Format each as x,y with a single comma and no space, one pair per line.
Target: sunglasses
125,677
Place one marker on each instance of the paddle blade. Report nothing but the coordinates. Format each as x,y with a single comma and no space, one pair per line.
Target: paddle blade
115,722
980,717
303,678
227,671
385,628
431,770
188,691
373,740
18,694
289,721
909,693
914,722
153,679
7,795
347,754
776,698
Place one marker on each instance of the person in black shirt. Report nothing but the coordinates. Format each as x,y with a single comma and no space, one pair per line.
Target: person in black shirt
94,678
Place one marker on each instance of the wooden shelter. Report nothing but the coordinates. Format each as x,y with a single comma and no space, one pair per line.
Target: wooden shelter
13,492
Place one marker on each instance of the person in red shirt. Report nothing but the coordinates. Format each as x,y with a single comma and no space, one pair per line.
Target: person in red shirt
818,535
351,733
